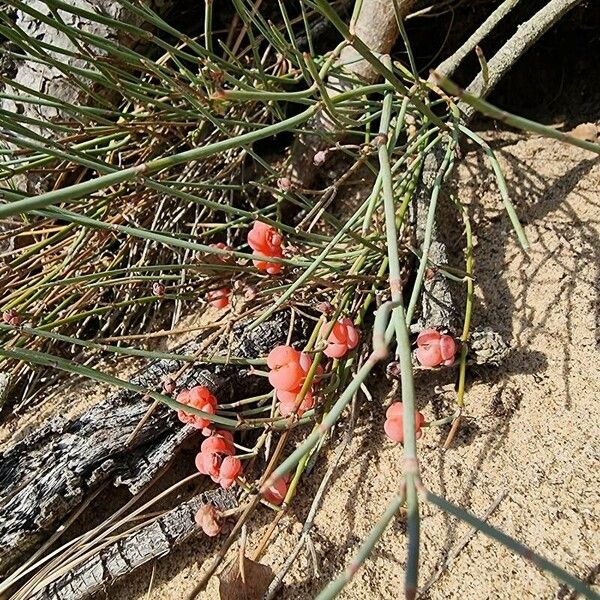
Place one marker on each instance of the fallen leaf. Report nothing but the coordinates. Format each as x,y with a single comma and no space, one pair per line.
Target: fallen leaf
255,583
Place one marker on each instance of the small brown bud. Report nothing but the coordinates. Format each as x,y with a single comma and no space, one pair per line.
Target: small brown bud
158,289
380,140
430,273
168,386
250,293
208,519
12,317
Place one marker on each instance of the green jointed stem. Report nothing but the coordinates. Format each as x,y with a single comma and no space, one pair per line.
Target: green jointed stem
510,119
47,360
223,360
410,454
462,373
336,586
79,190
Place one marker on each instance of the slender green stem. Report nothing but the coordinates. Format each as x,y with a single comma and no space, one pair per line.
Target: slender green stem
502,187
208,10
469,260
510,119
47,360
337,585
411,465
513,545
153,354
416,292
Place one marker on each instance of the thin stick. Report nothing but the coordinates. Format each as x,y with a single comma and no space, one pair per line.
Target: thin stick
336,586
462,543
448,66
289,561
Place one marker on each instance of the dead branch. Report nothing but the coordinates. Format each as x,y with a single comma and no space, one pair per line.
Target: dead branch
448,66
123,556
526,35
46,476
438,309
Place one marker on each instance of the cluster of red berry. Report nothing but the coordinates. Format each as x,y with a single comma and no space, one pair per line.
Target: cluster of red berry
289,368
216,459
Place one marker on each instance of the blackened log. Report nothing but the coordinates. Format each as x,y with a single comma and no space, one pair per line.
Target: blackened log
120,558
47,475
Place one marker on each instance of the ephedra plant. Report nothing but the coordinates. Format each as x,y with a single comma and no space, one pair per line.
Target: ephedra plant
155,180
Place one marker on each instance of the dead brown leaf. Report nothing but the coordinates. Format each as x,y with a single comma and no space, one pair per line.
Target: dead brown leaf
252,586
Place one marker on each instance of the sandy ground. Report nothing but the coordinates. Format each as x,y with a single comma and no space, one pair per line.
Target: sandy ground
532,427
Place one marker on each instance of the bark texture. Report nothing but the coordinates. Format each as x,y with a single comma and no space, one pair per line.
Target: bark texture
438,309
376,26
56,81
47,475
148,543
53,78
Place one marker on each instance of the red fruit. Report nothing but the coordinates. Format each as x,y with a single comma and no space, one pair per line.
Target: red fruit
264,239
208,463
221,442
275,493
208,518
272,268
265,242
286,372
198,397
394,424
231,467
343,337
219,298
435,349
287,402
212,453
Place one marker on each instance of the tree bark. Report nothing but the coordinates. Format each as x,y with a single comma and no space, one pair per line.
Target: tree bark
47,475
120,558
